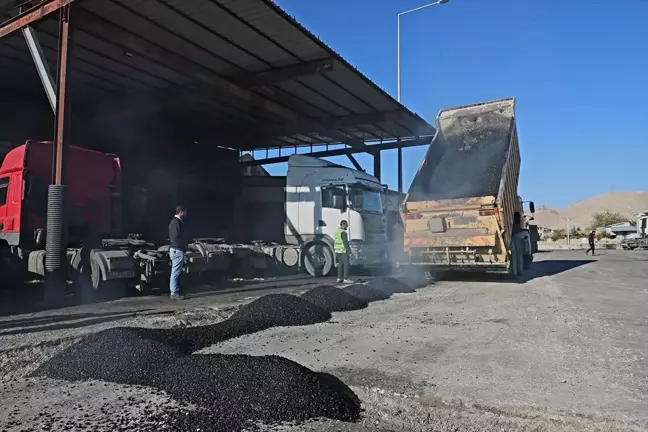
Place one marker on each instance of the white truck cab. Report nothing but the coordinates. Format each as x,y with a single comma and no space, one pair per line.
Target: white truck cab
319,195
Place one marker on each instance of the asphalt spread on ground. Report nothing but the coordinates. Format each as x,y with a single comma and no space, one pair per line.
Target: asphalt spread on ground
224,392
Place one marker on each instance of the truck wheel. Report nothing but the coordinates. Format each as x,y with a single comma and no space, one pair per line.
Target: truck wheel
526,262
318,260
93,288
515,268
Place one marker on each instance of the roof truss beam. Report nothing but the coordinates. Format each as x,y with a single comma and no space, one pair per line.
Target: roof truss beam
131,42
376,148
35,13
288,73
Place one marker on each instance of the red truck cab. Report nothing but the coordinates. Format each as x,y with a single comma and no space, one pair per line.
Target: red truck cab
93,179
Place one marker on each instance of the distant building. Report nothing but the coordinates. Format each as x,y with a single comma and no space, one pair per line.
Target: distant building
620,230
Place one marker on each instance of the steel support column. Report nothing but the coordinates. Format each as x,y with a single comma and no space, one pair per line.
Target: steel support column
377,167
57,196
62,122
400,173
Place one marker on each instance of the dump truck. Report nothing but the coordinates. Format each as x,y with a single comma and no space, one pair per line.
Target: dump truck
294,218
462,211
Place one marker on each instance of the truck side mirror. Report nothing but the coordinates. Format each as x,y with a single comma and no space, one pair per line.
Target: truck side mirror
532,207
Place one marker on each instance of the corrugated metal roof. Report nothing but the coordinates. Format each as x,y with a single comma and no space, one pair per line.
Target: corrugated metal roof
200,59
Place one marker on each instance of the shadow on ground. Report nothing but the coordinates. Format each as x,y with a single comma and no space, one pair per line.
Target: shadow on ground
66,322
29,297
553,267
538,269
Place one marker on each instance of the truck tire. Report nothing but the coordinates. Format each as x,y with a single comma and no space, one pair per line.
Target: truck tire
92,288
527,260
318,260
515,269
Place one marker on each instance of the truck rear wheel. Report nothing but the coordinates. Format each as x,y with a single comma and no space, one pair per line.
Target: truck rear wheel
516,266
92,288
318,260
527,260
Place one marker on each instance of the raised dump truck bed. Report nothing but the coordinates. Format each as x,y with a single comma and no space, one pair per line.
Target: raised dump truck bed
459,212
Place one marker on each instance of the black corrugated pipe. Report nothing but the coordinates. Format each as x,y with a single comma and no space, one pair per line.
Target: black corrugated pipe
56,240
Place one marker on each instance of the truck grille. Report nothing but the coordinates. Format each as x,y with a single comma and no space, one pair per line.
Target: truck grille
375,231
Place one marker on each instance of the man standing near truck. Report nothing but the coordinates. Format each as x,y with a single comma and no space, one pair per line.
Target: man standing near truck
590,240
178,246
342,252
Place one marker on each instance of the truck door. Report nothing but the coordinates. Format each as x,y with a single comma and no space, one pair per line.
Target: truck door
10,206
334,210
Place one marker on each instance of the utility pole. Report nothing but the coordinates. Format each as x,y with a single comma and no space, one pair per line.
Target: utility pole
398,66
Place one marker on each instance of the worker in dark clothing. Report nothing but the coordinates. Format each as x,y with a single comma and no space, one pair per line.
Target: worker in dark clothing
179,243
590,239
342,252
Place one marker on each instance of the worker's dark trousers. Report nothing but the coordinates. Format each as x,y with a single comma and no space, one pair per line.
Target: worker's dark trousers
343,265
591,248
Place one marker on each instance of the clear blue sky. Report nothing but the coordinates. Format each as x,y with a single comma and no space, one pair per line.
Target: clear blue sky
578,68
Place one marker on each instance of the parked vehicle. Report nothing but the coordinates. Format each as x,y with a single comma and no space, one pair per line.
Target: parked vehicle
295,217
94,213
639,240
462,211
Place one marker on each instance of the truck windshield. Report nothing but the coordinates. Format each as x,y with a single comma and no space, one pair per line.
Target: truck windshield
365,200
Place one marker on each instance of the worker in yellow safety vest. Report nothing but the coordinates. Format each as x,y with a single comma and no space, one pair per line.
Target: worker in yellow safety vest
342,252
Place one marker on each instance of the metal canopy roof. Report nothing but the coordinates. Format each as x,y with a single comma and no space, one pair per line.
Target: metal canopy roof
238,71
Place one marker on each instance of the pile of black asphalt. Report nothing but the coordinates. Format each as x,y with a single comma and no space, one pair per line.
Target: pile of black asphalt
366,293
390,285
226,392
333,299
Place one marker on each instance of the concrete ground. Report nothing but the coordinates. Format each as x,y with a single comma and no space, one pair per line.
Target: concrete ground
565,350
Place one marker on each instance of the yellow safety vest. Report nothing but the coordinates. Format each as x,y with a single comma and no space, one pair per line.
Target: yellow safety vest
339,244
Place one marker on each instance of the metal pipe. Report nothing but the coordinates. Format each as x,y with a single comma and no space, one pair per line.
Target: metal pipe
398,61
398,77
57,195
42,67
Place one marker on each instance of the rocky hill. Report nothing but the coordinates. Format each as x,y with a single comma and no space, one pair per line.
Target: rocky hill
580,213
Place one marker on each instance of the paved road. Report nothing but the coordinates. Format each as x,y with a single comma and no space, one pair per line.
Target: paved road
565,350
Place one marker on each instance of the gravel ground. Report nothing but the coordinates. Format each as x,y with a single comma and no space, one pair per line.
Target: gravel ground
564,351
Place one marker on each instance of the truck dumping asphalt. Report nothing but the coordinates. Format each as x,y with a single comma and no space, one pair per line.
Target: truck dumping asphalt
333,299
476,143
227,392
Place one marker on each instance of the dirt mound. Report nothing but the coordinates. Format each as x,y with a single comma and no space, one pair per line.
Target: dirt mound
227,390
390,285
333,299
366,293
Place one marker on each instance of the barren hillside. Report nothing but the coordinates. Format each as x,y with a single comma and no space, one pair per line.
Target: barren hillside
580,213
